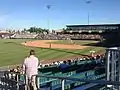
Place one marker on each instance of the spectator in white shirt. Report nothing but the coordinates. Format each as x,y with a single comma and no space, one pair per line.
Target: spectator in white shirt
30,67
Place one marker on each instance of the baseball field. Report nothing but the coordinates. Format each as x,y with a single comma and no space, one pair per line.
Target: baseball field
13,51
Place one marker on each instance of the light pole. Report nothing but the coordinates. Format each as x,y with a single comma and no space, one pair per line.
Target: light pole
88,14
48,21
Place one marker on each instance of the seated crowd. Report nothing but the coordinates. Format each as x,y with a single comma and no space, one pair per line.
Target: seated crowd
65,63
97,58
53,36
63,66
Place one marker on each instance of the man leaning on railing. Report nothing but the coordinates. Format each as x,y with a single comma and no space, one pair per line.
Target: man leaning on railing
30,67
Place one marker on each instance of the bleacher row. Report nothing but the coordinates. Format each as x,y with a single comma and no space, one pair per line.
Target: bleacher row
86,69
69,36
53,36
24,36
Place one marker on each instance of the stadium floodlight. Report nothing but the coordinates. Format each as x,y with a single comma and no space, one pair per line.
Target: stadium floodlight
88,2
48,21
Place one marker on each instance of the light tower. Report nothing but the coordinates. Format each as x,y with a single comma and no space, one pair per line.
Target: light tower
48,21
88,14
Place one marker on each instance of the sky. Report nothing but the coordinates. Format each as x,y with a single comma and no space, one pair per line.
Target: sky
19,14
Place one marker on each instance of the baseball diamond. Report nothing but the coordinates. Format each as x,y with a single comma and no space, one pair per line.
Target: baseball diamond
60,45
13,52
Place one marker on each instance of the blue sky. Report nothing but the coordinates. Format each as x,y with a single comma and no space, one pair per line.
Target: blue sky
20,14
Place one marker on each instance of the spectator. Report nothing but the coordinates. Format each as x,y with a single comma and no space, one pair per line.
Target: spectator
58,63
64,66
69,62
75,62
17,71
30,67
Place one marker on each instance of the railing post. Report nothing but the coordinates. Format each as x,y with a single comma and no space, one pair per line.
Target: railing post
119,69
107,66
26,82
3,84
17,82
38,82
63,84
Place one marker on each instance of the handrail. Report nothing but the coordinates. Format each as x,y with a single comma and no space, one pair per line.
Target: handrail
73,79
117,83
112,49
69,78
82,80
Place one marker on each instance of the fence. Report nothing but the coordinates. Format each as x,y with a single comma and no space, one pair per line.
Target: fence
12,84
76,79
113,65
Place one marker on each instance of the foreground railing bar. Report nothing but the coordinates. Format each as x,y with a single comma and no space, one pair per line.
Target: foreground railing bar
63,84
82,80
108,49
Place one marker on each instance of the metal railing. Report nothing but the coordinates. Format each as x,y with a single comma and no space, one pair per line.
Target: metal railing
113,64
11,81
16,83
6,84
75,79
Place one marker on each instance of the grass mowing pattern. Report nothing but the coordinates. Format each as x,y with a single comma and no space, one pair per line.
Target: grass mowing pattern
11,52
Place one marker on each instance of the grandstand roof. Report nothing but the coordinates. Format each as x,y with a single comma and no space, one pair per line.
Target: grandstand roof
93,25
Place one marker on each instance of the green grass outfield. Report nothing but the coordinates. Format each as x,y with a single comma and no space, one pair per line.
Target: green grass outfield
12,52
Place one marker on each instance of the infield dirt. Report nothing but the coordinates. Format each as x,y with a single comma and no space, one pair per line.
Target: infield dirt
49,44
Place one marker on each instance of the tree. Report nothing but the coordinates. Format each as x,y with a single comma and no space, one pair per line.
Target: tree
36,30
